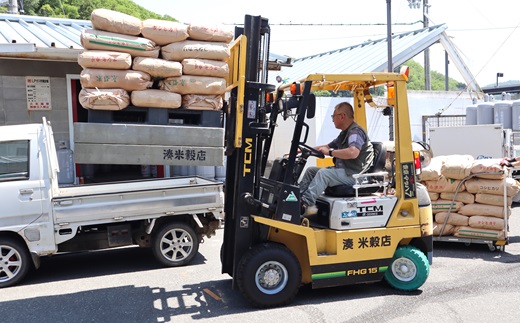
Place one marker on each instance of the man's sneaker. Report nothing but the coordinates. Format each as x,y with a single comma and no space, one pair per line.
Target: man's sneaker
310,210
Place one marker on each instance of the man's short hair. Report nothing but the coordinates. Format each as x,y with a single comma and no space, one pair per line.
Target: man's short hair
346,108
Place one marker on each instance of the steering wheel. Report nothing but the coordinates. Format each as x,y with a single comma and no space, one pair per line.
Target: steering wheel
310,151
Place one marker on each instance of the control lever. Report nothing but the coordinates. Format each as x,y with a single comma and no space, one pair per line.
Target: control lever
257,204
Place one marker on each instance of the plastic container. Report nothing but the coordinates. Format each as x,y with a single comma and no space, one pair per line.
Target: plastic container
471,115
485,113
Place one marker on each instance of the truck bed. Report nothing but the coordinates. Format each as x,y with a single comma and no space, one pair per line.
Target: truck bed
133,200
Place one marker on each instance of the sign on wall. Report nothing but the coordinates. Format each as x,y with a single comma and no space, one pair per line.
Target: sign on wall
38,90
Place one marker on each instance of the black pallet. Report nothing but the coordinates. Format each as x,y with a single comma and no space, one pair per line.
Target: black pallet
158,116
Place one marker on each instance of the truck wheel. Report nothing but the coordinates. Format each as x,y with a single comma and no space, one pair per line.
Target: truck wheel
269,275
408,270
175,244
15,262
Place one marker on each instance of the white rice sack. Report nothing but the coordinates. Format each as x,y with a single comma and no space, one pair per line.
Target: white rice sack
104,40
443,184
104,99
492,199
487,166
189,84
482,209
155,99
202,102
156,67
444,206
210,32
453,218
456,168
476,233
432,172
105,59
205,67
195,49
464,197
492,186
128,80
164,32
486,222
116,22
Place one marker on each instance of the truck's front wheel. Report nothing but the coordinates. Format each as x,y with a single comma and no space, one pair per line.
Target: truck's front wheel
269,275
15,262
175,244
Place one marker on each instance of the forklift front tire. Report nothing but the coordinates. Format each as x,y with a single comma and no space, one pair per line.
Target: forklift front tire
269,275
408,270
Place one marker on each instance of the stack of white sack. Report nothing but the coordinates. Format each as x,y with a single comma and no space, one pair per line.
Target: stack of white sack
468,199
203,57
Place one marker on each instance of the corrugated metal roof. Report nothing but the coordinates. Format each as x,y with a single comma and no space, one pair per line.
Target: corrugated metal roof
41,37
371,56
59,39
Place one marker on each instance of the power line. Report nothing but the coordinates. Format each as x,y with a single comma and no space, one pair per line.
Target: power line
336,24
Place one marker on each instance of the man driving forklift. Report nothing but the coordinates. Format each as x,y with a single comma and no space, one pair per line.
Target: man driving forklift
352,153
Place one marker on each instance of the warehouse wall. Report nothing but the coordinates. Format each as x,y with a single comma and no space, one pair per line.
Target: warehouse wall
13,97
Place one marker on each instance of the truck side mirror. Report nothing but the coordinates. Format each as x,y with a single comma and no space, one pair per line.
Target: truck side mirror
311,107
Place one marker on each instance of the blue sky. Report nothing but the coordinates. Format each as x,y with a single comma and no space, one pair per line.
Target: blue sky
486,33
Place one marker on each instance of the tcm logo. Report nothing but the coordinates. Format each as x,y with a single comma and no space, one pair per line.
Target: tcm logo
248,156
372,210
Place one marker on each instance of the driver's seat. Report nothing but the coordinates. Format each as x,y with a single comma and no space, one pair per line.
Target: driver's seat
371,182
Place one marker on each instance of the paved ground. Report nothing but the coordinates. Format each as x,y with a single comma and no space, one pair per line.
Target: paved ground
466,284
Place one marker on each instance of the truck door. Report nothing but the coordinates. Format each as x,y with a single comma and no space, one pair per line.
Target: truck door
20,184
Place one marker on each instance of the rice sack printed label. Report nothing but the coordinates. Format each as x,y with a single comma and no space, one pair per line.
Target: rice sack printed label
205,67
104,40
156,99
445,205
195,49
492,199
115,21
443,184
128,80
482,167
486,222
202,102
187,84
210,32
156,67
439,230
464,197
164,32
476,233
492,186
104,99
451,218
105,59
482,209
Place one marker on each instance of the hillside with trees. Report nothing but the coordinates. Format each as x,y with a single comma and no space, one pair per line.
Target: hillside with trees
81,9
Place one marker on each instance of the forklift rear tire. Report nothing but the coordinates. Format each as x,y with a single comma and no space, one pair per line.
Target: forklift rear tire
269,275
409,269
175,244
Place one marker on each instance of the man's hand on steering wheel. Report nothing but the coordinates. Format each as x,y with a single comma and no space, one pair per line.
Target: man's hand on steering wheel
310,151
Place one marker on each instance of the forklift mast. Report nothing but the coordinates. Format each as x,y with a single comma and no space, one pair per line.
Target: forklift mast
250,126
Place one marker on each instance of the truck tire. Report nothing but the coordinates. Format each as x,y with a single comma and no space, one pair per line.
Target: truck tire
175,244
408,270
269,275
15,262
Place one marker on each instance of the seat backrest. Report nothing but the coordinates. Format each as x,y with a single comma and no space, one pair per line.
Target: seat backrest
379,162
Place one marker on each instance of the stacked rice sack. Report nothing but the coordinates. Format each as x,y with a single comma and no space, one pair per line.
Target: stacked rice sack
122,63
468,196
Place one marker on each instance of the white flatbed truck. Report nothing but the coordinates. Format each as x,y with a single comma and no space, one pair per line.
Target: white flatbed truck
39,218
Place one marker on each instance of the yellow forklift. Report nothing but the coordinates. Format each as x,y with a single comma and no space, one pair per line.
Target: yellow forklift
381,229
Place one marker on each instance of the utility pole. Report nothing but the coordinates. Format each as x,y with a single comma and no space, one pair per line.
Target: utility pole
427,77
